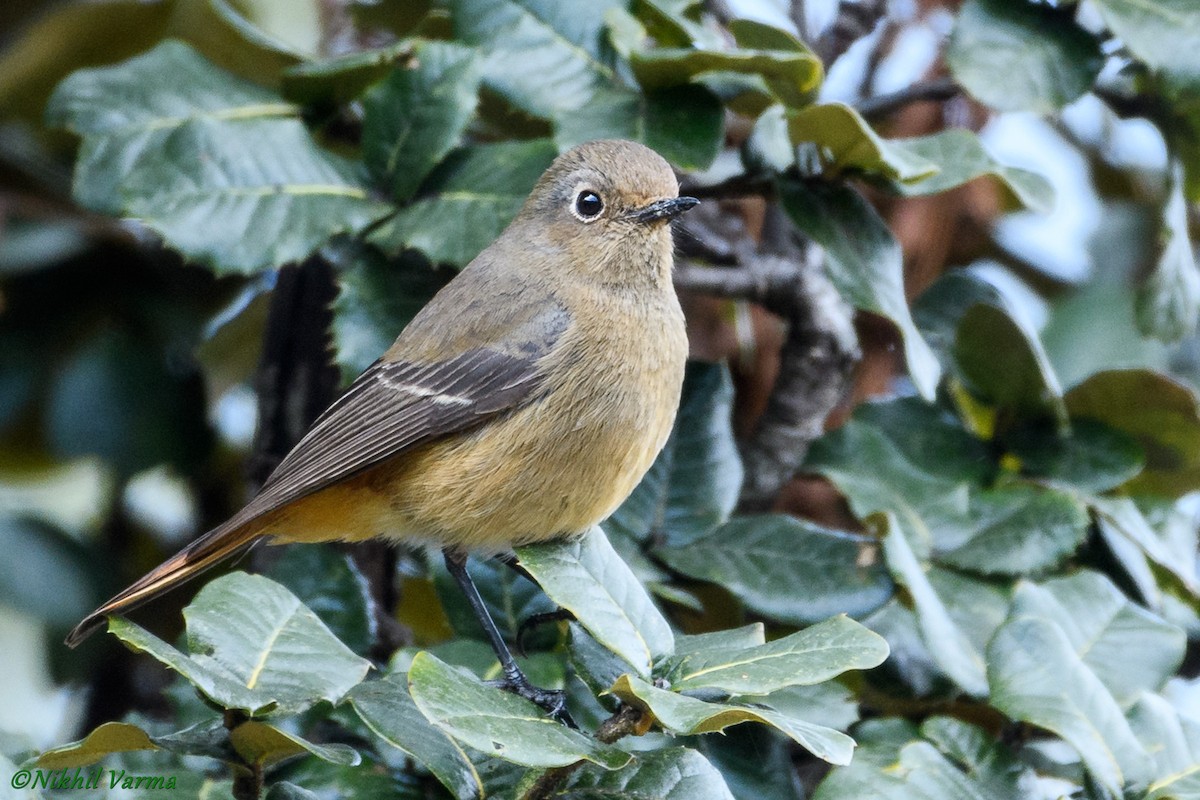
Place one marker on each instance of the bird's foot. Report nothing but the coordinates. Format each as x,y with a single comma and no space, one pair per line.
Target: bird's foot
552,701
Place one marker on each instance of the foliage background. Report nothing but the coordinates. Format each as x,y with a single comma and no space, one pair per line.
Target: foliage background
1006,491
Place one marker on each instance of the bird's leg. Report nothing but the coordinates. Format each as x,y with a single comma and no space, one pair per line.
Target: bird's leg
553,702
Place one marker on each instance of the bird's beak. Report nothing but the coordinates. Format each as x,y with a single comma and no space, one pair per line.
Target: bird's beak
665,209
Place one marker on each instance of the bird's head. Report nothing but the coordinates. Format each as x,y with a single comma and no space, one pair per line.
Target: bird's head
608,205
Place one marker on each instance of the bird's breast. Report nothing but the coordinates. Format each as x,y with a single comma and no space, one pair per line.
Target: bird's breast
567,460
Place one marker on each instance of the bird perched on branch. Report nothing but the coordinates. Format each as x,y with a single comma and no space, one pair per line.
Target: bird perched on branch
522,404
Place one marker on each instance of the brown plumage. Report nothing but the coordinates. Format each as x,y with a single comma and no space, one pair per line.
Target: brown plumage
523,403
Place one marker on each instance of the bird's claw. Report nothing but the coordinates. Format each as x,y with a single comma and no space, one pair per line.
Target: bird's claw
552,701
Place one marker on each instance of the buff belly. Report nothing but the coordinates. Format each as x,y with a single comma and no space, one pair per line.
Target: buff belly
511,489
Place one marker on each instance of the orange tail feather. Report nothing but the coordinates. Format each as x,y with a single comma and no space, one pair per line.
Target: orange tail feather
207,551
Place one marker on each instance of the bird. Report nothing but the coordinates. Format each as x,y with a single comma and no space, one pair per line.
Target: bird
522,404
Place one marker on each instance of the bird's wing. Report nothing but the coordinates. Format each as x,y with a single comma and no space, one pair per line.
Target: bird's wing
397,405
393,407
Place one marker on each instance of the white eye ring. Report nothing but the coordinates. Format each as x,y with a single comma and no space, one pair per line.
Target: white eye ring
587,206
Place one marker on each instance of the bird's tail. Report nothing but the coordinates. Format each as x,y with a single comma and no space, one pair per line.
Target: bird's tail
207,551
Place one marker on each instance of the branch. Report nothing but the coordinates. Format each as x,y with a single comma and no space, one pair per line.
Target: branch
1126,105
817,358
296,377
625,722
740,185
854,20
936,90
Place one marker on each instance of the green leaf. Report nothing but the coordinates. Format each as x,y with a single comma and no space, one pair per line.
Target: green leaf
283,790
118,398
542,56
474,194
950,648
1161,414
768,148
499,723
1004,367
335,81
810,656
906,434
331,586
961,157
851,143
372,780
1170,541
388,709
930,774
254,647
671,773
906,457
223,170
53,580
830,704
377,298
1168,302
683,124
941,307
694,483
1128,648
864,262
261,196
415,116
990,765
790,75
259,743
110,737
675,23
742,638
31,245
1017,529
1173,740
1162,33
1133,563
951,760
1036,676
977,606
1022,57
114,99
209,739
590,580
1091,455
594,663
755,761
685,715
787,569
286,26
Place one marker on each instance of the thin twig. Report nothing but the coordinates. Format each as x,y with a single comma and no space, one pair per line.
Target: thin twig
936,90
296,379
854,20
624,722
741,185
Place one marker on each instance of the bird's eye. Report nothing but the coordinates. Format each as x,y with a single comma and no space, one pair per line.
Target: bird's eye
588,205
